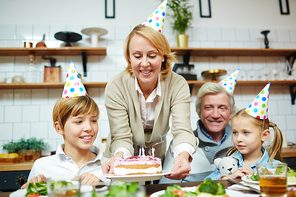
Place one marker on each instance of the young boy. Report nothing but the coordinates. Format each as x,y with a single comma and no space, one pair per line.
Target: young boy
75,117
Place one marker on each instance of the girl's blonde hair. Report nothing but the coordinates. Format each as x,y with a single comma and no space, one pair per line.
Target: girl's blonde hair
158,40
66,107
275,148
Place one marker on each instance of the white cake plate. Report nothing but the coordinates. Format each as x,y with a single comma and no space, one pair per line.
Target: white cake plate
94,33
137,178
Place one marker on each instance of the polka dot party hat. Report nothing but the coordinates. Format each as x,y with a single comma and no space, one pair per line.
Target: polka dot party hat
73,85
156,19
259,106
230,82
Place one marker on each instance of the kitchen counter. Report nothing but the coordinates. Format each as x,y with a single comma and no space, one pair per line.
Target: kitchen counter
22,166
288,152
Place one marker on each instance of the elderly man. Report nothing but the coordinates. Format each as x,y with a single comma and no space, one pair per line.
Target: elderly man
215,107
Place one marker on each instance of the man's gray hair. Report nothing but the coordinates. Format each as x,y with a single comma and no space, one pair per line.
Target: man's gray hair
212,88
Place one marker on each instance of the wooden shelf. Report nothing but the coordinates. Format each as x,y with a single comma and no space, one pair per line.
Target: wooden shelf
103,84
248,83
18,51
48,85
234,52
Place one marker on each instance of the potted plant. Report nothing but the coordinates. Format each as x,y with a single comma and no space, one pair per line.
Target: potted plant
36,146
29,149
182,16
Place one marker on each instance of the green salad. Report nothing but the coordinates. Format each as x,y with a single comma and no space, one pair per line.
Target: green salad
120,189
208,186
39,188
290,173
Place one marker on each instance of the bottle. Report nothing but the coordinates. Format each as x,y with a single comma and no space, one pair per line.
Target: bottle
32,74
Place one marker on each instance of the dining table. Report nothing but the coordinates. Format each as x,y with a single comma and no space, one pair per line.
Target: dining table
150,189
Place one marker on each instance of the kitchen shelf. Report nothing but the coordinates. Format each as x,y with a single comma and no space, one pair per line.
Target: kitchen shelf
249,83
103,84
233,52
18,51
42,51
48,85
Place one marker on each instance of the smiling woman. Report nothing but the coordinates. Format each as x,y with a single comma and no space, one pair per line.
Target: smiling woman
141,99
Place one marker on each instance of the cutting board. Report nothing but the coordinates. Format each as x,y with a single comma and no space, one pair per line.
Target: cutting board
52,74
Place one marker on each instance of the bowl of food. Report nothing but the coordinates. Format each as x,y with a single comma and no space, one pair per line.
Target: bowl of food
57,187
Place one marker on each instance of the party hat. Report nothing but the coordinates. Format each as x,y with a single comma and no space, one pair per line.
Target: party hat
259,106
156,19
73,85
230,81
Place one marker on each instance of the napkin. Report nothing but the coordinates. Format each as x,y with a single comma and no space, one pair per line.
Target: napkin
240,187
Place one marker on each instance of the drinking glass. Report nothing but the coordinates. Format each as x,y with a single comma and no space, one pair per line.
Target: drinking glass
63,186
272,179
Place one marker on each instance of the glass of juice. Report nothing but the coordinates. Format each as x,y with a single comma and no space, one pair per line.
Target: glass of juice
272,179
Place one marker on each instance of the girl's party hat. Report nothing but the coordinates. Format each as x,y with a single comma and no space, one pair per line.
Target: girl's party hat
259,106
73,85
229,82
156,19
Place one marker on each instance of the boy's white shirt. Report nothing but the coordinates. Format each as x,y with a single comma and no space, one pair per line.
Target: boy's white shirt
62,165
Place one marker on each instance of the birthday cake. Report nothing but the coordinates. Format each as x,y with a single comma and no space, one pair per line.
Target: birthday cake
137,165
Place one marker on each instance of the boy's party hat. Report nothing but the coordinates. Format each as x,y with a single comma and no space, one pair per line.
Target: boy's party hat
156,19
73,85
229,82
259,106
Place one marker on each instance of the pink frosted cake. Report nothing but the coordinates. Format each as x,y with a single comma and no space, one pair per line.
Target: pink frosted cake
137,165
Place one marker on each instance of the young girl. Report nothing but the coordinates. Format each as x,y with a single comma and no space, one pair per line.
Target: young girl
75,117
250,128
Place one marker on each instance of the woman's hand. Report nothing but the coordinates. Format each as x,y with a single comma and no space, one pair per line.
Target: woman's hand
108,166
242,171
181,167
35,179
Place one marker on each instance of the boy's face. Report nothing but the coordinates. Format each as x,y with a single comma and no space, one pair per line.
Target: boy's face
80,131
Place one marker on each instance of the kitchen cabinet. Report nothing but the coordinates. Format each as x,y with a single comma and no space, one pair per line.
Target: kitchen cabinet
14,175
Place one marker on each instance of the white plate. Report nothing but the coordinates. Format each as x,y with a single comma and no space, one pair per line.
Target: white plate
137,178
231,193
249,180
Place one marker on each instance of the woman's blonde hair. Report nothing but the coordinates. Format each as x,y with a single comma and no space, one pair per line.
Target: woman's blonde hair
275,148
66,107
158,40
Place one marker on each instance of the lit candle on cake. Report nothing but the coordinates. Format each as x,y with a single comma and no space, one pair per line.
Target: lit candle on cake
152,150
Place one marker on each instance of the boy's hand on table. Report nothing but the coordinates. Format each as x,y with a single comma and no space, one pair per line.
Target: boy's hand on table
35,179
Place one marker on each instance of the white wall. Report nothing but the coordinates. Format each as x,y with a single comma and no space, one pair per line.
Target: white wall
234,24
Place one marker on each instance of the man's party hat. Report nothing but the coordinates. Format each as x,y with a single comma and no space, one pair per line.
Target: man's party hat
230,81
73,85
156,19
259,106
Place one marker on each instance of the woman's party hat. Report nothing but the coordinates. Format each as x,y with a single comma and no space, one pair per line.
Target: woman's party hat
156,19
259,106
73,85
230,81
